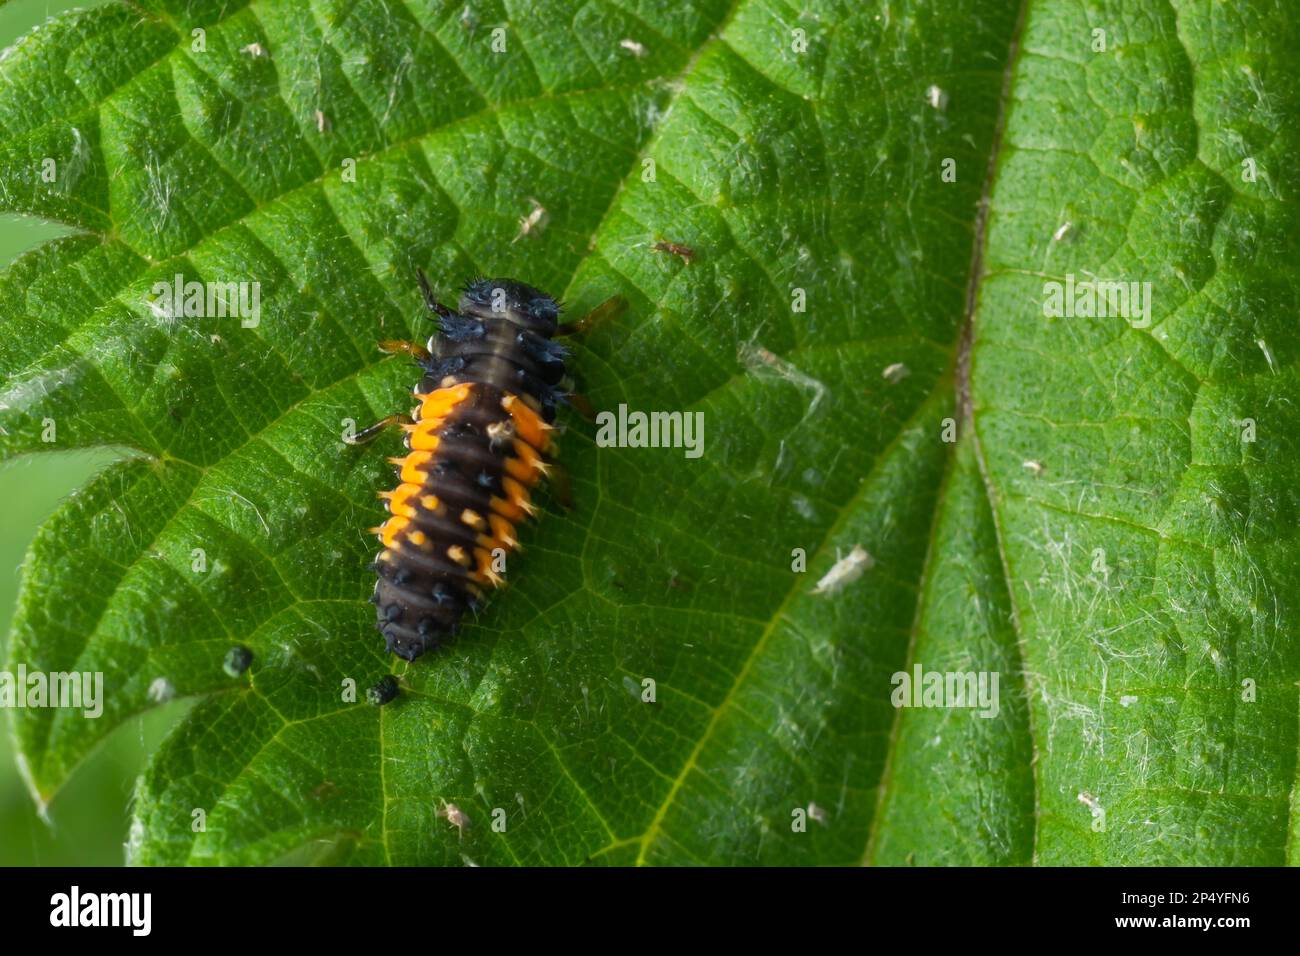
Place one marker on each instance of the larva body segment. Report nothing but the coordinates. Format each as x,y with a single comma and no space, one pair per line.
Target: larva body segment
477,446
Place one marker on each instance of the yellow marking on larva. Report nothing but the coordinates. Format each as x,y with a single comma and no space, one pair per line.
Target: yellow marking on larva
391,528
423,435
436,404
508,510
399,500
518,496
526,465
485,572
491,544
418,538
411,465
503,532
457,554
429,502
472,518
529,425
506,542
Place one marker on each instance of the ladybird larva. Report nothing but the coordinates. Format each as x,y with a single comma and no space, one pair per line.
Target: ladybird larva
477,445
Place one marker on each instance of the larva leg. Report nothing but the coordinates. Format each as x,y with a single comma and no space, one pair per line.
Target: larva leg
401,346
561,486
607,311
368,434
429,299
582,405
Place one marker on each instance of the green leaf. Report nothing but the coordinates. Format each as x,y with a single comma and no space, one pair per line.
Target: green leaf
1111,533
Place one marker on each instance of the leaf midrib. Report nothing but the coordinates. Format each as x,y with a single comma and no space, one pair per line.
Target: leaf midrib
966,419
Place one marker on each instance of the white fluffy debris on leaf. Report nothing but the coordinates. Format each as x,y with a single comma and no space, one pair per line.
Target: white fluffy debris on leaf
161,690
893,374
534,220
454,815
845,571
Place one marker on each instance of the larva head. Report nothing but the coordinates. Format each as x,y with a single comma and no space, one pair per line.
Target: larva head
521,304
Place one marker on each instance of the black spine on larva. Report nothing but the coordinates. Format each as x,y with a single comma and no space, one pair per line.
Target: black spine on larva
508,345
499,342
